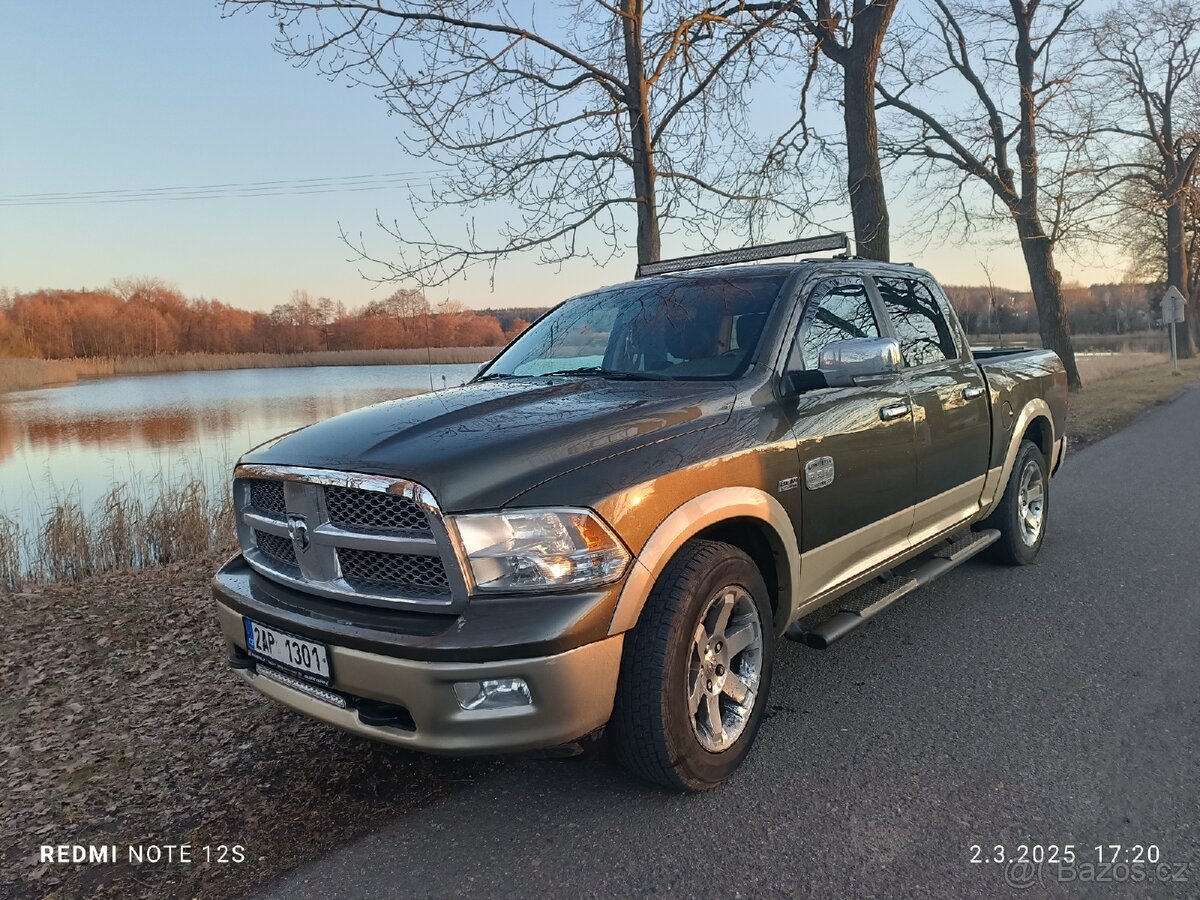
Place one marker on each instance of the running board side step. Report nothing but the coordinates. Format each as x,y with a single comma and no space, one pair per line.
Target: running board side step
868,601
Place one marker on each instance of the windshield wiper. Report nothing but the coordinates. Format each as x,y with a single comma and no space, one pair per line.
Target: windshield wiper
612,374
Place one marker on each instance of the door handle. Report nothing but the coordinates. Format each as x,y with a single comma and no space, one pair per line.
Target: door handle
970,393
895,411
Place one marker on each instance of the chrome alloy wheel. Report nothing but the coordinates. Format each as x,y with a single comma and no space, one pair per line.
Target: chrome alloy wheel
724,668
1031,503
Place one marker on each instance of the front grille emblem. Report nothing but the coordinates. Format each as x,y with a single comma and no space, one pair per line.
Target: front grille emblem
298,532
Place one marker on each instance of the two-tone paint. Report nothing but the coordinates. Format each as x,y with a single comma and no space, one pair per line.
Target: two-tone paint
662,462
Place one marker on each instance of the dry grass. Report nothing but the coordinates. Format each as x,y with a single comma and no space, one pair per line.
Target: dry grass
28,374
130,527
1108,404
1097,368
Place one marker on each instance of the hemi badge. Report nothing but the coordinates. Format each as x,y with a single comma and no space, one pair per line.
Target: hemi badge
818,473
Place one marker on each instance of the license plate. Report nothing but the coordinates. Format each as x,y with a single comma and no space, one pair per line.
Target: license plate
295,654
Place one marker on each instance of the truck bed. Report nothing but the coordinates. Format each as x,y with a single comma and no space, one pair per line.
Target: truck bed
1016,377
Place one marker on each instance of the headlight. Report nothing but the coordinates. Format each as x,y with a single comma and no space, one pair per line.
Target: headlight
536,549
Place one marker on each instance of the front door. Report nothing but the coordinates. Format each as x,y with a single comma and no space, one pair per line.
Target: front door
951,415
853,502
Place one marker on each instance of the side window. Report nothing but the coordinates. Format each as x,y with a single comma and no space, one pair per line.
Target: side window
921,325
838,309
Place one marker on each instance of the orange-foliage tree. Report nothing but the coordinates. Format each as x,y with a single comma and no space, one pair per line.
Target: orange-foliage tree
145,317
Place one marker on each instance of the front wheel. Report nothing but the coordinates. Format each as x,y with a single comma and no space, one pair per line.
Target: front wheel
1024,509
696,670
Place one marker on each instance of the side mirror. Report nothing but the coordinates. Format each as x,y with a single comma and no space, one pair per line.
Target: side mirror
847,363
844,363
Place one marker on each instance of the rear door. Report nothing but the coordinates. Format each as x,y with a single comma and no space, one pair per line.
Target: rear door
951,415
853,501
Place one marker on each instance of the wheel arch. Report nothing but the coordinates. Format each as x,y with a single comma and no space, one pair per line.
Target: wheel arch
748,518
1035,422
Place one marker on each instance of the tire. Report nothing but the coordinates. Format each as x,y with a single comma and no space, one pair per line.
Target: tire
1014,518
673,674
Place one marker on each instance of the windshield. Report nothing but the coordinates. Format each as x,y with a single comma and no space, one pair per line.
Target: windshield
703,327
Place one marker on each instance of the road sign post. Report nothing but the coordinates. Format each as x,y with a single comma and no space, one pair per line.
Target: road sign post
1173,306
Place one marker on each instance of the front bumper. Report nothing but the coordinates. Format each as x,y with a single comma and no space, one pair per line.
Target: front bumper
571,688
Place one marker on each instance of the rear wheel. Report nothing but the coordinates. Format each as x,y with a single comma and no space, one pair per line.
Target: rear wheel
696,670
1023,511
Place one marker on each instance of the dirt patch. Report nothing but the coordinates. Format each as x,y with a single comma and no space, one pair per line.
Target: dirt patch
123,725
1109,404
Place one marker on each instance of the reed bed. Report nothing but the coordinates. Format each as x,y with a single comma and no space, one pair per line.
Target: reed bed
132,526
29,374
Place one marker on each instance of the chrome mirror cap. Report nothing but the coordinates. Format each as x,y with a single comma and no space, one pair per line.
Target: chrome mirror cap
844,363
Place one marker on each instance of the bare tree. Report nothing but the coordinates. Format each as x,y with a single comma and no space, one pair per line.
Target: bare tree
571,123
991,138
1139,226
851,36
1149,56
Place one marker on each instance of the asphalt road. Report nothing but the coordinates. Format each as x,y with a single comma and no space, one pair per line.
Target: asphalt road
1054,704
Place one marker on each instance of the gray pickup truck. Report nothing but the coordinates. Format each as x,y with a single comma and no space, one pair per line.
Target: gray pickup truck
608,529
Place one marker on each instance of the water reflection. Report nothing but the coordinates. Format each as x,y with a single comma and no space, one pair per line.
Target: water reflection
82,438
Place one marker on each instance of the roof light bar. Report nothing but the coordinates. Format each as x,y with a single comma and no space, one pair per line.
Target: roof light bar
746,254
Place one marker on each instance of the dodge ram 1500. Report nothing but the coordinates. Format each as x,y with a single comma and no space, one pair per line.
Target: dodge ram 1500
610,526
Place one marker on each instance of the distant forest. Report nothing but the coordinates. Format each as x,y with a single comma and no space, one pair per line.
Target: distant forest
146,317
1099,309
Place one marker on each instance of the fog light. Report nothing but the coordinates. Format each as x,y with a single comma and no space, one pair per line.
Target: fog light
492,693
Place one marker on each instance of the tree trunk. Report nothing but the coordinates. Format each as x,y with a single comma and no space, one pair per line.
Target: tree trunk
864,179
1036,245
1046,283
649,242
1177,271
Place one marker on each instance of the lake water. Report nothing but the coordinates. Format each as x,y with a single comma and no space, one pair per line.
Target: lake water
80,439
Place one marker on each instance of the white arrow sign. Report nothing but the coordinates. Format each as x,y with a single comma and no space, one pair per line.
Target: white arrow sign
1173,306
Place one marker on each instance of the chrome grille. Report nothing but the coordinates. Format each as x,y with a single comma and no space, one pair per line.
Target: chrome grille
267,496
359,538
278,548
352,508
373,567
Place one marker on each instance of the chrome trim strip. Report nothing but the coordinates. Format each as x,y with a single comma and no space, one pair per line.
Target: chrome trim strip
269,524
332,535
339,589
398,486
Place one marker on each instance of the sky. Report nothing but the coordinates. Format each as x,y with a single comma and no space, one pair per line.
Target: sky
142,95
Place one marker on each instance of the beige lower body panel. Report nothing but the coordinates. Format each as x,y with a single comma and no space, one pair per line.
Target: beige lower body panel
824,567
834,568
946,510
572,695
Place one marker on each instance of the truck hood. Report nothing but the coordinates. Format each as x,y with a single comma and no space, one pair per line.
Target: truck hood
479,445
